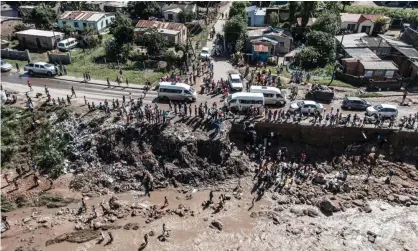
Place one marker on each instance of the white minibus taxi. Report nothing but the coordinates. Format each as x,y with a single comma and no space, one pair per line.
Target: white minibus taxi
176,91
241,100
272,95
67,44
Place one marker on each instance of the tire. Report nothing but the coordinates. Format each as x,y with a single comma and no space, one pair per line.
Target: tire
49,74
31,72
164,98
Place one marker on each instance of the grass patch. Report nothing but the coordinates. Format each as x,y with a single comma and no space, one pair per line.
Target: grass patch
14,124
6,205
335,83
369,95
53,201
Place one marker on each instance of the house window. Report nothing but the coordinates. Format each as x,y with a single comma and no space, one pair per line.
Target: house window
351,27
64,23
389,74
102,24
76,24
368,73
379,73
365,29
84,25
170,16
281,44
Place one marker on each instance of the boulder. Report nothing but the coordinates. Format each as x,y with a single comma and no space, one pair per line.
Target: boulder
403,199
319,179
371,236
329,206
43,219
297,211
367,208
282,199
312,212
217,224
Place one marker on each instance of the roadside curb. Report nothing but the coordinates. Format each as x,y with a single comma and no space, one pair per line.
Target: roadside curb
95,83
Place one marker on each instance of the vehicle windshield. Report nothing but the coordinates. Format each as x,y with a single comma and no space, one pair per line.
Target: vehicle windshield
300,103
2,62
61,44
191,90
48,65
229,98
378,107
235,80
205,51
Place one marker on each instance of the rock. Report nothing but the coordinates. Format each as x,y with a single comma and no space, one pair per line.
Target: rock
296,211
367,208
26,220
312,212
43,219
371,236
358,203
296,231
391,197
205,219
217,224
97,225
78,227
253,215
408,204
282,199
319,179
228,196
403,199
328,206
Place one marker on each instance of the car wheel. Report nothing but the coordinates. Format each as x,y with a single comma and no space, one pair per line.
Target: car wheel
164,98
31,72
49,74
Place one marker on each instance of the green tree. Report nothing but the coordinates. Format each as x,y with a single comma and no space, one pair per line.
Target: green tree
328,22
332,6
68,30
143,9
324,44
308,57
44,17
308,10
154,41
117,52
235,30
274,19
89,38
294,11
185,16
122,29
379,25
345,4
238,8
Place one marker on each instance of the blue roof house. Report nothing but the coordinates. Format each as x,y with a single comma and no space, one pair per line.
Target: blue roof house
256,16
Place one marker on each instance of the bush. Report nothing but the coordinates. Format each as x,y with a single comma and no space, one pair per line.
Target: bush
6,205
53,201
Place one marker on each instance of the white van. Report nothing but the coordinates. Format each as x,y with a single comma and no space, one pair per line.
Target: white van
67,44
176,91
244,99
272,95
235,82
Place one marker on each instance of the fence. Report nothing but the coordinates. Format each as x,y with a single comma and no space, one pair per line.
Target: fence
13,54
59,58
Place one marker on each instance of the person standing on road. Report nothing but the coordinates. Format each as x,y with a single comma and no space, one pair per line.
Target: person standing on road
17,67
68,99
405,93
46,90
127,83
108,82
85,100
30,86
73,92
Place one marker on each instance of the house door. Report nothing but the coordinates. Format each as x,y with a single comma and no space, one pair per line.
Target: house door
249,21
38,43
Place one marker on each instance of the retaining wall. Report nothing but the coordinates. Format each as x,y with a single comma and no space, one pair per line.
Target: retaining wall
403,144
59,58
13,54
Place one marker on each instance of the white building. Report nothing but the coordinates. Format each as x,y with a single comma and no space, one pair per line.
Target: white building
80,20
361,23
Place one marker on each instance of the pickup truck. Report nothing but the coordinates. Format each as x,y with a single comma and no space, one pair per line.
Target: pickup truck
40,68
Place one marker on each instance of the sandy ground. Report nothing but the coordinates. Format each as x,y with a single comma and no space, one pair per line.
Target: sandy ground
395,226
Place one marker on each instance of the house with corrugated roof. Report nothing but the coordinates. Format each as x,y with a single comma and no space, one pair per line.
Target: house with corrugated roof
171,11
282,38
361,22
259,17
80,20
175,33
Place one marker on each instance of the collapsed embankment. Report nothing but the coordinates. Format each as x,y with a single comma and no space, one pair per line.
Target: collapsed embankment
329,142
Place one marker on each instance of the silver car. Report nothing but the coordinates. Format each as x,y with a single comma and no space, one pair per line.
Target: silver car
40,68
5,66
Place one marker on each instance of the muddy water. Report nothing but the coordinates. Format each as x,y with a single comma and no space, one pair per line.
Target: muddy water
396,227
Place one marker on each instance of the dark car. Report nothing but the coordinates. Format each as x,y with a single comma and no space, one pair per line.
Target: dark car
355,103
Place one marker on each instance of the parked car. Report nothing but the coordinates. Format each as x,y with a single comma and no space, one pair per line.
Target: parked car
40,68
306,106
5,66
355,103
205,53
235,82
383,110
67,44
